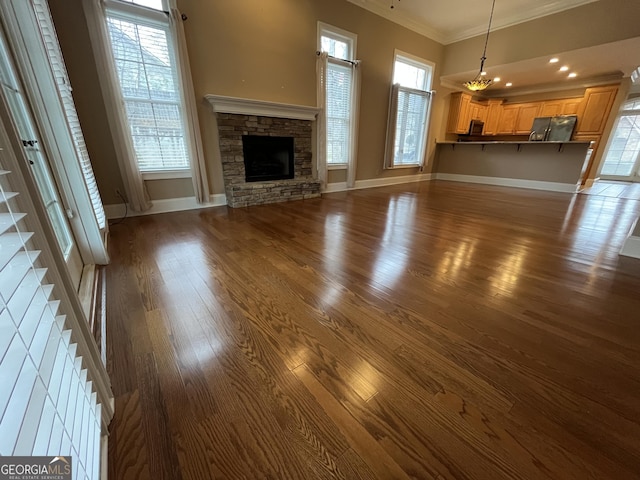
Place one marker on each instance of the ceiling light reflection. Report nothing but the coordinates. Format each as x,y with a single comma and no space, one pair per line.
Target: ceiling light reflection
453,262
509,271
393,251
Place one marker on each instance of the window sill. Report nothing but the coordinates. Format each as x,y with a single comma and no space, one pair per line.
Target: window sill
413,165
337,166
166,174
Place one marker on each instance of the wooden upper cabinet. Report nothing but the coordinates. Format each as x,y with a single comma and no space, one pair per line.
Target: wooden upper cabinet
594,109
570,106
494,108
564,106
517,118
526,114
551,108
507,120
459,114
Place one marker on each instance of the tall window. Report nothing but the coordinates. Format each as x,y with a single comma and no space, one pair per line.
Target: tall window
622,158
340,46
408,112
144,53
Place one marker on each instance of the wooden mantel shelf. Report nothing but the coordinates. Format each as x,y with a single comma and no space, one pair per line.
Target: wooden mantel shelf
262,108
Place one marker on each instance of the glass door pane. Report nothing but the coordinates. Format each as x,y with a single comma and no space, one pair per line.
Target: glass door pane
622,156
32,146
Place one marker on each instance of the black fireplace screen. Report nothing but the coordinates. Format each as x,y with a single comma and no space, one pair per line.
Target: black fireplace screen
267,158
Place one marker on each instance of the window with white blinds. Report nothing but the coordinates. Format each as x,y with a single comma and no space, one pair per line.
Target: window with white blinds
408,113
47,30
144,54
47,405
340,45
339,87
410,123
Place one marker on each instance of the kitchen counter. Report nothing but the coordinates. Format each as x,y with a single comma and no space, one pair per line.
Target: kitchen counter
555,166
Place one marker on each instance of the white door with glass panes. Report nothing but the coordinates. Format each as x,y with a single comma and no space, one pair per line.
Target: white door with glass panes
410,102
17,108
622,158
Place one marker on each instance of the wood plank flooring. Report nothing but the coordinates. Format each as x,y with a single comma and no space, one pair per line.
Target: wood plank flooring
435,330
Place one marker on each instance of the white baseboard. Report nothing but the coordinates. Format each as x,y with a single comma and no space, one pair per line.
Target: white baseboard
631,247
509,182
116,211
335,187
377,182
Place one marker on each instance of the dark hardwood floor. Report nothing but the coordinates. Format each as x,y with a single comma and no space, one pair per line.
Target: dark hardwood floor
435,330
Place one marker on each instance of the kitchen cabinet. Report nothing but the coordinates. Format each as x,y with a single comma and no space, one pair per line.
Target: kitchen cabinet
494,108
565,106
459,114
526,113
570,106
551,108
507,120
478,111
594,110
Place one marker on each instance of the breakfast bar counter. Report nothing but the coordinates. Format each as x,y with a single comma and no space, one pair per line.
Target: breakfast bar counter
556,166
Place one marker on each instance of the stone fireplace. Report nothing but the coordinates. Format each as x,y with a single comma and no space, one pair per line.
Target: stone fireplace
240,119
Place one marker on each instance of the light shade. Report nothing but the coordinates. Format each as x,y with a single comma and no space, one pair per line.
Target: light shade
477,84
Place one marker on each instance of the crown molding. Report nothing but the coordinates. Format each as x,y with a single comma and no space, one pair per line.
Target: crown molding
518,18
401,18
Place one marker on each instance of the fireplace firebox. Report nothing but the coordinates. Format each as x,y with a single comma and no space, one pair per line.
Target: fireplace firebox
267,158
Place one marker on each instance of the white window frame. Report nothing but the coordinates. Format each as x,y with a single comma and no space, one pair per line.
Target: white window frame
351,39
83,344
32,62
625,111
133,11
429,68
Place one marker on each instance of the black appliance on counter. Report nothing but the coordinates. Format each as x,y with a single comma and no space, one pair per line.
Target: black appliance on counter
553,129
476,128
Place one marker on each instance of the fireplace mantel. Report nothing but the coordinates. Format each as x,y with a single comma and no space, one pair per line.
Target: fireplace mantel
244,106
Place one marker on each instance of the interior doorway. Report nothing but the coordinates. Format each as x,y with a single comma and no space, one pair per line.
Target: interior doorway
622,158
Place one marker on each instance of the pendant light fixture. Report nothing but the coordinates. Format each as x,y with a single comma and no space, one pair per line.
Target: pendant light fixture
480,82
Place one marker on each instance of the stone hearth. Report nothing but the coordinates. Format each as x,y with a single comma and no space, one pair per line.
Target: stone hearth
238,117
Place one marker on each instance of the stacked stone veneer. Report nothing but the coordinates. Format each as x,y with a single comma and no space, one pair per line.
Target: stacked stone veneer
232,127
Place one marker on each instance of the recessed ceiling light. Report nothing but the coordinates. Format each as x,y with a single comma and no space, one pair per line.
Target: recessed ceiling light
554,60
564,68
572,75
497,79
508,84
483,73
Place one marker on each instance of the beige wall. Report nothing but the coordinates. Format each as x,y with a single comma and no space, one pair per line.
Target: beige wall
259,50
596,23
265,50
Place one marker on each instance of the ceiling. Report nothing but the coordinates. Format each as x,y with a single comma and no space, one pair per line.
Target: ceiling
442,21
594,65
434,19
